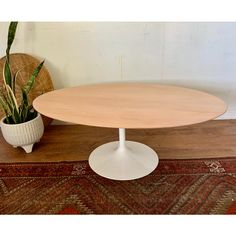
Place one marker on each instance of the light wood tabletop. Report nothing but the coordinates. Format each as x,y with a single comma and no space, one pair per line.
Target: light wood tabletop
130,105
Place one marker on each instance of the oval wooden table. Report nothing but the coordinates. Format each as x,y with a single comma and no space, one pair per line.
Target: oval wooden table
132,106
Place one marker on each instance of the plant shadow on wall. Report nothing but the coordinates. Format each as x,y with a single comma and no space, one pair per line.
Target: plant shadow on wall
22,125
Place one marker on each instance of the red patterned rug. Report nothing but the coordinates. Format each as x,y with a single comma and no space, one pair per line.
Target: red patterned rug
175,187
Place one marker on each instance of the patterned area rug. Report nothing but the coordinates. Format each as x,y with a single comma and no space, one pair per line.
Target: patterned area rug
175,187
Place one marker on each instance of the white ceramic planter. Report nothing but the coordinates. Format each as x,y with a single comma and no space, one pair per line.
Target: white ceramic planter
25,134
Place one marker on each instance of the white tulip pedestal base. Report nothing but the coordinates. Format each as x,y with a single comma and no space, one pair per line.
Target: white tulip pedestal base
123,160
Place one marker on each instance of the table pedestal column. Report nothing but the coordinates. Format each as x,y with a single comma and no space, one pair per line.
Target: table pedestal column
123,160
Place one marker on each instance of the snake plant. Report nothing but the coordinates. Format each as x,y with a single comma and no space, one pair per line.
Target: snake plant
22,111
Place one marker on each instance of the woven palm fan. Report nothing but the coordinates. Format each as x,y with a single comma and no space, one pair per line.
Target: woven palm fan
43,82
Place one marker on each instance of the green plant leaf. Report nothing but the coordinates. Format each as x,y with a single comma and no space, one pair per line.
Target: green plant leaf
7,101
31,81
12,98
14,81
7,74
23,113
24,97
11,35
9,104
4,106
25,106
16,116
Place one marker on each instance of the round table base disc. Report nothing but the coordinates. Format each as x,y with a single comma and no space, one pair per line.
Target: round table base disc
131,161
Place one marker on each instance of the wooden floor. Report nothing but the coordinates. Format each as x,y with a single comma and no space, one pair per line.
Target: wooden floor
75,142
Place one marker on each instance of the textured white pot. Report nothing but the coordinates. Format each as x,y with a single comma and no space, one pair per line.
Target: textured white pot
25,134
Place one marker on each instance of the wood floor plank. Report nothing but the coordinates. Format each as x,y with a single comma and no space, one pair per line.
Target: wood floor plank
211,139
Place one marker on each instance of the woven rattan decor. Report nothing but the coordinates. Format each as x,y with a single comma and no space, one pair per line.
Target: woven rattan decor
42,84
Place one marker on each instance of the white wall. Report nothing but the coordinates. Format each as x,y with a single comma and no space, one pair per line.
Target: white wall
195,55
